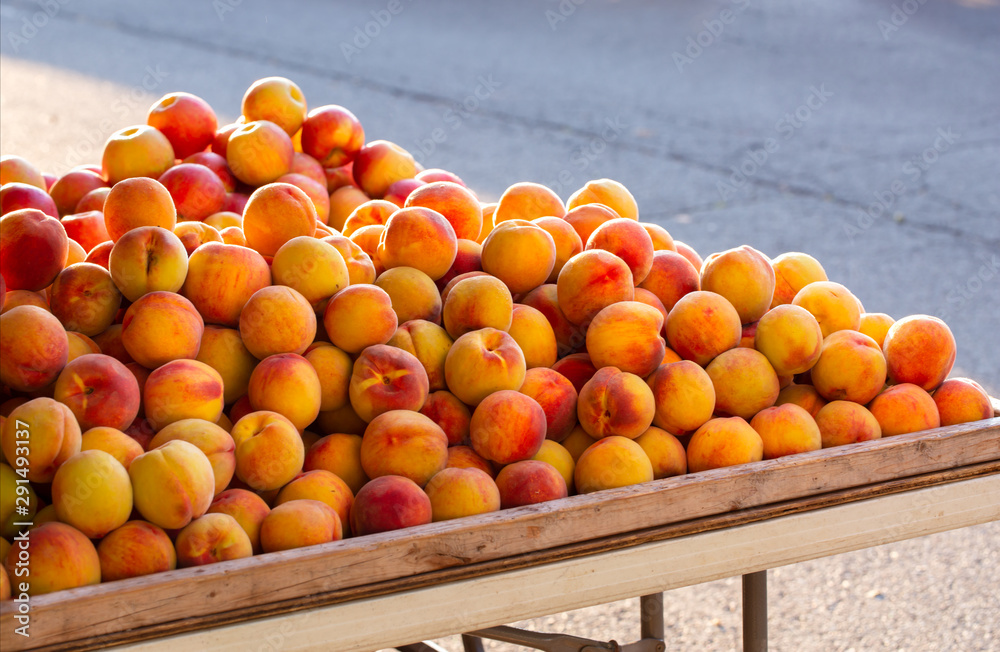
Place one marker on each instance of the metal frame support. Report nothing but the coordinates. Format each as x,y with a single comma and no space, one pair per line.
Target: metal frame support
755,612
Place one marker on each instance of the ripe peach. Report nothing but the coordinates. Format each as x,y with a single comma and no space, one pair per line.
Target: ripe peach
269,450
247,508
478,302
16,298
99,255
359,316
833,306
135,549
172,484
626,335
160,327
458,492
310,168
724,442
277,319
615,402
287,384
147,259
555,454
296,216
220,142
429,343
404,443
919,349
222,349
463,457
360,269
197,191
684,396
33,248
221,278
211,439
665,452
379,164
488,211
528,201
212,538
84,298
187,121
569,336
961,400
333,368
662,240
450,414
743,276
15,169
533,333
344,201
611,462
482,362
389,503
793,271
577,367
259,152
368,238
805,396
298,524
339,454
566,239
591,281
413,294
529,482
608,192
138,202
371,213
113,442
398,191
236,202
315,191
557,397
93,201
628,240
387,378
182,389
92,492
233,235
33,348
86,229
745,383
904,408
332,135
139,151
519,253
507,426
586,218
701,325
651,300
420,238
223,220
846,422
446,290
786,430
141,432
875,325
61,557
99,391
577,442
671,276
321,485
278,100
456,203
110,343
850,367
311,267
791,339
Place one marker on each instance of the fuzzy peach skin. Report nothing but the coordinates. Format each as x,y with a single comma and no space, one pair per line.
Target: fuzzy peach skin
195,234
786,430
846,422
900,409
961,400
919,349
323,486
413,294
358,317
298,524
34,348
626,335
33,248
578,369
100,391
744,381
724,442
187,121
586,218
344,201
850,367
566,239
112,441
269,450
221,278
701,325
138,202
161,327
80,344
16,298
482,362
529,482
317,194
368,238
665,452
211,439
387,378
670,277
92,492
875,325
93,201
259,152
577,442
528,201
519,253
135,549
609,463
792,272
332,135
456,203
458,492
87,229
52,436
616,403
340,454
98,255
556,454
429,343
146,259
463,457
545,299
16,169
790,338
182,389
645,296
139,151
58,556
420,238
450,414
398,192
312,267
333,368
373,212
404,443
557,397
662,240
275,214
84,298
743,276
832,304
287,384
172,484
458,278
477,302
388,503
277,319
21,196
533,333
591,281
212,538
196,190
276,99
222,349
684,396
805,396
628,240
609,192
381,163
247,508
507,427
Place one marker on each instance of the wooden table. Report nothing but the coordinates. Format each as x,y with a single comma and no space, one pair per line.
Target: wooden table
454,577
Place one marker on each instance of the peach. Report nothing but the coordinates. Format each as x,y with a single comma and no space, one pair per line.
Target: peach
84,298
147,259
586,218
371,213
76,254
577,442
555,454
482,362
626,335
904,408
387,378
299,523
628,240
478,302
277,319
197,191
615,403
222,349
651,300
833,306
33,248
220,142
359,316
701,325
455,202
187,121
745,383
519,253
961,400
488,210
743,276
172,484
321,485
566,240
577,368
609,192
15,169
507,426
449,286
458,492
379,164
529,482
87,229
92,492
805,396
211,439
287,384
99,255
223,220
221,278
141,431
332,135
312,267
662,240
420,238
278,100
431,175
93,201
791,339
665,452
919,349
846,422
135,549
310,168
413,294
139,151
339,454
344,201
233,235
591,281
463,457
138,202
161,327
333,368
671,276
398,191
875,325
58,557
528,201
786,430
723,442
429,343
33,348
792,272
265,232
533,333
404,443
212,538
545,299
236,202
182,389
851,367
269,450
16,298
684,395
450,414
259,152
110,343
389,503
557,397
112,441
315,191
611,462
100,391
247,508
368,238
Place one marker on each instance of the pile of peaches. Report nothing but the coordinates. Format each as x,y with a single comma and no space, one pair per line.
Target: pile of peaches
228,341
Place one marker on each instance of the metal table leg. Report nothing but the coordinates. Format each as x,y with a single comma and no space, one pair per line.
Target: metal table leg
755,612
472,643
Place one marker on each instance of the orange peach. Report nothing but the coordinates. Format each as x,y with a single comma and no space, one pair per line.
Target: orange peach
456,203
100,391
662,240
665,452
904,408
615,403
194,234
223,220
113,442
368,238
259,152
269,450
16,298
919,349
211,439
138,202
684,396
420,238
221,278
591,281
612,462
33,348
172,484
609,192
247,508
745,383
463,457
586,218
333,368
298,524
360,269
387,378
832,304
287,384
339,454
139,151
875,325
577,442
529,482
519,253
450,414
488,210
332,135
371,213
276,99
359,316
569,336
93,201
398,191
316,193
413,294
33,248
628,240
791,339
147,259
478,302
447,288
182,389
220,141
310,168
743,276
389,503
99,255
458,492
671,276
846,422
555,454
196,190
222,349
645,296
59,557
850,367
793,271
233,235
15,169
161,327
92,492
87,229
212,538
277,319
321,485
381,163
344,201
533,333
961,400
507,426
84,298
557,397
786,430
723,442
805,396
135,549
404,443
577,367
528,201
626,335
76,254
468,258
110,343
276,213
701,325
429,343
482,362
566,240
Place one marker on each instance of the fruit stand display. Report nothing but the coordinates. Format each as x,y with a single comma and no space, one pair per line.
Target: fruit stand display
268,383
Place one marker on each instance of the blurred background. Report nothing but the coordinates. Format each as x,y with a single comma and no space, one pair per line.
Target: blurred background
866,134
